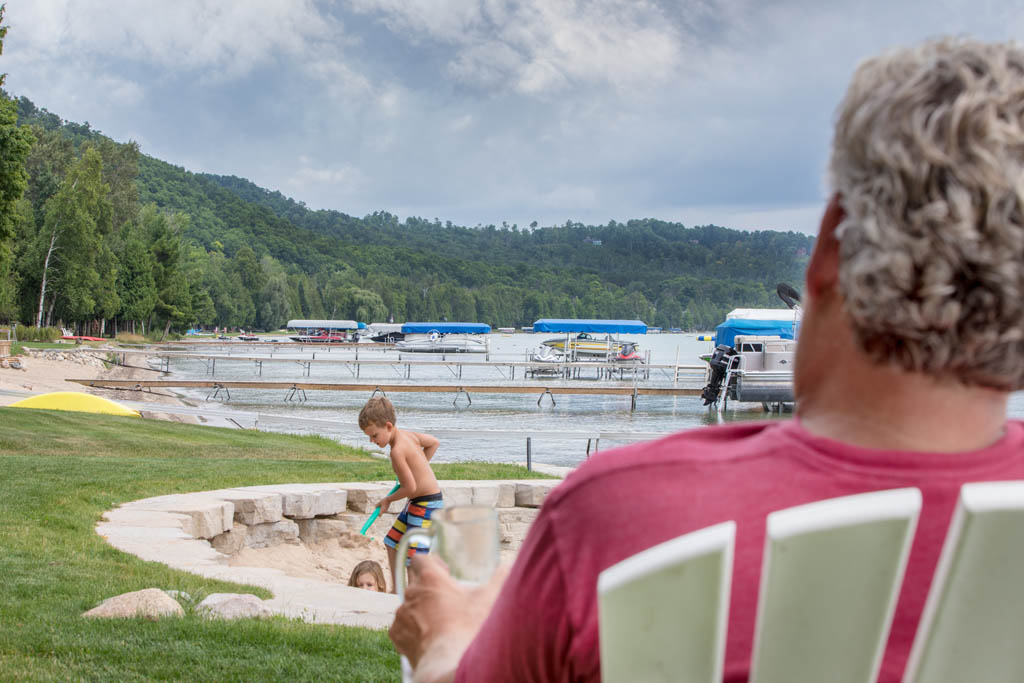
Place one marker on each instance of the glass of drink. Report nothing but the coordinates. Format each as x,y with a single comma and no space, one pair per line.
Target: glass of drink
465,538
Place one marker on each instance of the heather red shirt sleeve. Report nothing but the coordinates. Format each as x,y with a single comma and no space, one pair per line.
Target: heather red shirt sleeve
528,633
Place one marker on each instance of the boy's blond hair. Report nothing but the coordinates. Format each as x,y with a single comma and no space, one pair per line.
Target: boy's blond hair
377,411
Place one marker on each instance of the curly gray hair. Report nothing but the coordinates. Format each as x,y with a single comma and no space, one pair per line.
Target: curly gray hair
928,160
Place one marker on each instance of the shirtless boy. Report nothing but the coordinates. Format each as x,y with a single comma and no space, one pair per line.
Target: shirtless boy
410,457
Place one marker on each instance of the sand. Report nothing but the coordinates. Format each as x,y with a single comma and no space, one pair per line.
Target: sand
45,373
331,560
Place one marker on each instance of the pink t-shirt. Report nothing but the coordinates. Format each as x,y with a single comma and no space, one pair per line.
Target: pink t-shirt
544,624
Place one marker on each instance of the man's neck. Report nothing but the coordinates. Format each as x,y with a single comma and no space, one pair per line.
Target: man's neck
881,407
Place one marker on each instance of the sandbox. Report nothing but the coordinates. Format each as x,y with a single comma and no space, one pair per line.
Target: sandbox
300,541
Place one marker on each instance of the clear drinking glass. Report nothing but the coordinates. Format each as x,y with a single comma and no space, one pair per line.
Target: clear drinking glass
465,537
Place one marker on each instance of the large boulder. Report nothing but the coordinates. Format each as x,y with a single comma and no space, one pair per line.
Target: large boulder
233,606
150,603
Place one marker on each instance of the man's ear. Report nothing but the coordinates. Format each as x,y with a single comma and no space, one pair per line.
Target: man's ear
823,268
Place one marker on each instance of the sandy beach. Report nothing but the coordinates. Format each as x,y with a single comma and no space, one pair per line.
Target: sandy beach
45,371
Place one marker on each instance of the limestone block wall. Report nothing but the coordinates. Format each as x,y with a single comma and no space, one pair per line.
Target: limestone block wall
198,532
264,516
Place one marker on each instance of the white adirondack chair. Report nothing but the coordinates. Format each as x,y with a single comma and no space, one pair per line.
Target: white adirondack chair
830,579
663,612
972,627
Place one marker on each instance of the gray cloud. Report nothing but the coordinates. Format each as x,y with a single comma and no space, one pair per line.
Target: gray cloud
485,111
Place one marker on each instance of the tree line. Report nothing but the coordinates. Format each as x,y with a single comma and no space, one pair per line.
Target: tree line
96,235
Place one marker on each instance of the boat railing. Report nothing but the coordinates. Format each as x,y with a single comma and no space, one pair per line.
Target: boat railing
760,381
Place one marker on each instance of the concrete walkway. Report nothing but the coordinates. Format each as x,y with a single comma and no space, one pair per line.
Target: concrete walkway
190,531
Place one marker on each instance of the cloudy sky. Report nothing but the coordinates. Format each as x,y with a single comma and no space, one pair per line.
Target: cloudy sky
483,111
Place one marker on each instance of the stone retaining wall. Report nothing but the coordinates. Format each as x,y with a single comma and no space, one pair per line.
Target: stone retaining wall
263,516
198,532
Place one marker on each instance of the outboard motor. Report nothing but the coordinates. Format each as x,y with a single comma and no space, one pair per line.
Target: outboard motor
789,296
719,363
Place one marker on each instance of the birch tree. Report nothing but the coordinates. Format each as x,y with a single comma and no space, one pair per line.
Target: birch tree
76,218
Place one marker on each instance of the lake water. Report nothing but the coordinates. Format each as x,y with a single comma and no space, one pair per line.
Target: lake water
558,432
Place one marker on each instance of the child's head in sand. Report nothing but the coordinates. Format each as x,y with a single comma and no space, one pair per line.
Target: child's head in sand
369,575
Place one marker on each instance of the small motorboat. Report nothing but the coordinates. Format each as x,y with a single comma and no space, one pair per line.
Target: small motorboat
436,342
545,354
321,331
628,353
548,362
584,344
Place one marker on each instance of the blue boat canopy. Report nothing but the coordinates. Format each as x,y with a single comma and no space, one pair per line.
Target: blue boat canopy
446,328
594,326
727,331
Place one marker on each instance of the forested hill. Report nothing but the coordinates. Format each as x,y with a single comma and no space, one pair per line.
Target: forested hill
250,257
645,250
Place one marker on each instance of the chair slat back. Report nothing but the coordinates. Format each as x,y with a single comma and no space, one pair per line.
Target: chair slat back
972,627
663,612
830,578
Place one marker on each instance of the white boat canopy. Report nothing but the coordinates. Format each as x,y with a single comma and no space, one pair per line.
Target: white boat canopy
761,314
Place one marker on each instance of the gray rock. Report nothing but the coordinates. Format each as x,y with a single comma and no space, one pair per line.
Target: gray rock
364,498
457,495
149,603
532,495
254,508
486,495
208,516
267,535
233,606
514,523
320,529
506,495
230,542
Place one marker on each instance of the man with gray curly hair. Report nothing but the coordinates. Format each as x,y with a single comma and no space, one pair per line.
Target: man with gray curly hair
911,340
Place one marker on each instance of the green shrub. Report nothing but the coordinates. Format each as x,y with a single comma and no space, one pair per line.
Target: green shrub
27,333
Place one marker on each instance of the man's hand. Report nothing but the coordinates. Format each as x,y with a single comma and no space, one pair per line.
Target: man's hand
439,618
384,504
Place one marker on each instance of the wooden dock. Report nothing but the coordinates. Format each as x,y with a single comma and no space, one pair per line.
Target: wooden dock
455,363
296,390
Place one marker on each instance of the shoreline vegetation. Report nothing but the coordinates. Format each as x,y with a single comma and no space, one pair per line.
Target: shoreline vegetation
63,470
150,247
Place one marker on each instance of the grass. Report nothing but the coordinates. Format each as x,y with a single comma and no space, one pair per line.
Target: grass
61,471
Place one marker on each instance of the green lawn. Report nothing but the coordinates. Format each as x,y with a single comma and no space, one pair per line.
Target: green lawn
60,471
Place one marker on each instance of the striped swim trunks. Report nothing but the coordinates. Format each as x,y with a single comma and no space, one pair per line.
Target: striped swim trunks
417,513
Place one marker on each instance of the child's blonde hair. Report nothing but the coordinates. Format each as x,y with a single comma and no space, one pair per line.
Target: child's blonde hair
369,567
377,411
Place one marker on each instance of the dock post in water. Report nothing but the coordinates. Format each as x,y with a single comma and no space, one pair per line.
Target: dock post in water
529,454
